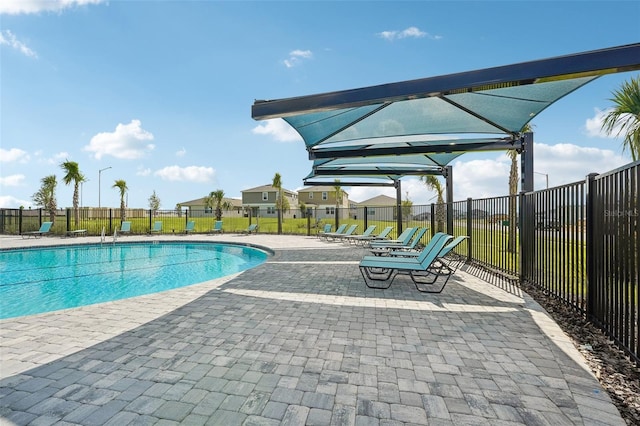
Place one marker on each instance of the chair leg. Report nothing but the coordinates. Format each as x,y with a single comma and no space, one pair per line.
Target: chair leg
370,278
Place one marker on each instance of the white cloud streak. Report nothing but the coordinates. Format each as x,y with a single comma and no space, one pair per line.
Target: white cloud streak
12,180
127,142
197,174
593,125
13,155
278,129
7,38
411,32
19,7
296,57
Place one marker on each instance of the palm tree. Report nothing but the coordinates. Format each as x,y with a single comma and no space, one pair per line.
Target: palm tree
277,184
73,174
625,116
46,196
122,186
407,206
433,183
216,200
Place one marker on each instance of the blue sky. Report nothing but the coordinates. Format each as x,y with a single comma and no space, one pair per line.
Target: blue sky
161,92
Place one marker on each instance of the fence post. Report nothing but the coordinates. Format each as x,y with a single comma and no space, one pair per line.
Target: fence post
68,219
20,222
308,222
523,243
150,220
110,221
590,238
433,219
469,227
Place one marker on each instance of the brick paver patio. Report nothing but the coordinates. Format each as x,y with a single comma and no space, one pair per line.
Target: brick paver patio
297,340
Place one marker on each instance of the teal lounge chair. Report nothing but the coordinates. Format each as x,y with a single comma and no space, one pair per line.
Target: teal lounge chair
365,240
348,232
409,248
157,227
325,230
424,270
338,231
217,228
45,228
125,227
353,239
253,228
190,226
403,240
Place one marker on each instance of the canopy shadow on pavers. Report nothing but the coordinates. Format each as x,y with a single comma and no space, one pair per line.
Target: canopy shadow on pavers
302,339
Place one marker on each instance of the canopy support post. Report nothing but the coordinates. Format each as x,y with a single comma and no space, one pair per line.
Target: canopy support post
398,205
448,175
526,163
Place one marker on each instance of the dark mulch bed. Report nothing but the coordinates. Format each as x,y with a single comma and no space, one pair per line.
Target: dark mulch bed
616,372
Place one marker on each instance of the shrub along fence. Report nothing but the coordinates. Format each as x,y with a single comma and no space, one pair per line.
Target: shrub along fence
579,242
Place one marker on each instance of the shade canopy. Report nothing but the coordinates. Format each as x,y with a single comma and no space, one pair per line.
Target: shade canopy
420,126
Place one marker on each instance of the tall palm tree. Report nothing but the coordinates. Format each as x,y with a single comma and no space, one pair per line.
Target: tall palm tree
46,196
513,193
277,184
433,183
73,174
122,186
625,116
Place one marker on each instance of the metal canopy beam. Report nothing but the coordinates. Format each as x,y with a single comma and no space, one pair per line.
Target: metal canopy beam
378,172
347,183
592,63
381,150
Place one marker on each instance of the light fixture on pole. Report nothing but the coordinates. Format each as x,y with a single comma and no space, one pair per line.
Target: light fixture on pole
99,186
545,175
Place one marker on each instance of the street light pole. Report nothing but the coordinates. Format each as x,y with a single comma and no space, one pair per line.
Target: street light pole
546,175
99,186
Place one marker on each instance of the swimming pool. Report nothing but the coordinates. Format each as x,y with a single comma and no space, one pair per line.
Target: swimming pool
51,278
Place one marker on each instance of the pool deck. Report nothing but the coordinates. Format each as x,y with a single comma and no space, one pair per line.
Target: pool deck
297,340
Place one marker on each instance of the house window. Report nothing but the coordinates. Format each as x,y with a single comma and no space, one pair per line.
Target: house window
208,210
311,195
271,210
330,210
371,211
325,196
265,196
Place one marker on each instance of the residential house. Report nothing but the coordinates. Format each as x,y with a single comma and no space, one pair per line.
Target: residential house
198,207
261,201
381,207
322,201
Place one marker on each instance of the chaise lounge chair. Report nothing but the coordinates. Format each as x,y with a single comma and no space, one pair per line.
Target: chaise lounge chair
409,248
217,228
253,228
45,228
157,227
364,240
346,234
338,231
125,227
424,270
325,230
403,240
366,234
190,226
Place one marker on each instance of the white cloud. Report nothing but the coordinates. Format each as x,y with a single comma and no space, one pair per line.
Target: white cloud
12,180
143,171
7,38
296,57
411,32
181,152
59,157
127,142
186,174
11,202
13,155
16,7
593,125
279,129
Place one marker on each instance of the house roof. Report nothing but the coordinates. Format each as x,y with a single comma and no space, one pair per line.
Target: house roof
267,188
201,201
320,189
380,200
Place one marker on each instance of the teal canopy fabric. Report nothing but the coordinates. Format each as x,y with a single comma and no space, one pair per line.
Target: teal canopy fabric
420,126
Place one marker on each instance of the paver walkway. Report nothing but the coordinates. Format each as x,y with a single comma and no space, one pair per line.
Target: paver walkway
298,340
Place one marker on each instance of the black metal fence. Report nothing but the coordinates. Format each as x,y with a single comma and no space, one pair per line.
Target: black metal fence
579,242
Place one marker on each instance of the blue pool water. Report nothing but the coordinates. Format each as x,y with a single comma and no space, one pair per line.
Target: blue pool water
47,279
